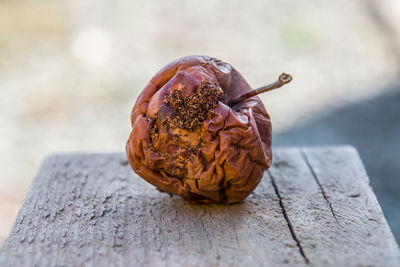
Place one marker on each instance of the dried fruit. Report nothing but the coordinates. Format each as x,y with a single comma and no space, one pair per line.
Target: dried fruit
199,131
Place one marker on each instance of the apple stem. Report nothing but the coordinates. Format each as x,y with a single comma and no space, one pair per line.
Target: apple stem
284,78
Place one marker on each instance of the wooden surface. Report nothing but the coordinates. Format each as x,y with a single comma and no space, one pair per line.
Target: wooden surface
313,207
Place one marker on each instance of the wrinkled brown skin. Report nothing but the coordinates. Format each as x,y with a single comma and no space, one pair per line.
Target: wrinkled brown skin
233,145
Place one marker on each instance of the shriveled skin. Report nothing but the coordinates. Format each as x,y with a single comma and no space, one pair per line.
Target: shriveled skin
222,159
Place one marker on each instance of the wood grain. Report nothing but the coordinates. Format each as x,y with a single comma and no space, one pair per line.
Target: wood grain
313,207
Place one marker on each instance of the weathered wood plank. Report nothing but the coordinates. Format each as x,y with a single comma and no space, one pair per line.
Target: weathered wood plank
360,220
91,209
328,202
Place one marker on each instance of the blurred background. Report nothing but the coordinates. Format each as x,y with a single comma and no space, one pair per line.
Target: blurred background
70,72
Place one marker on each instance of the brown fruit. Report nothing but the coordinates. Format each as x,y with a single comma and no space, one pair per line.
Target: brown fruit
187,142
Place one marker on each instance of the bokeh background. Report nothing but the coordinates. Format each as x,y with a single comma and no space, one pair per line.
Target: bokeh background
70,71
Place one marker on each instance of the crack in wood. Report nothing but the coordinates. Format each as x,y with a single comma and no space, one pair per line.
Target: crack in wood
236,237
286,216
304,155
